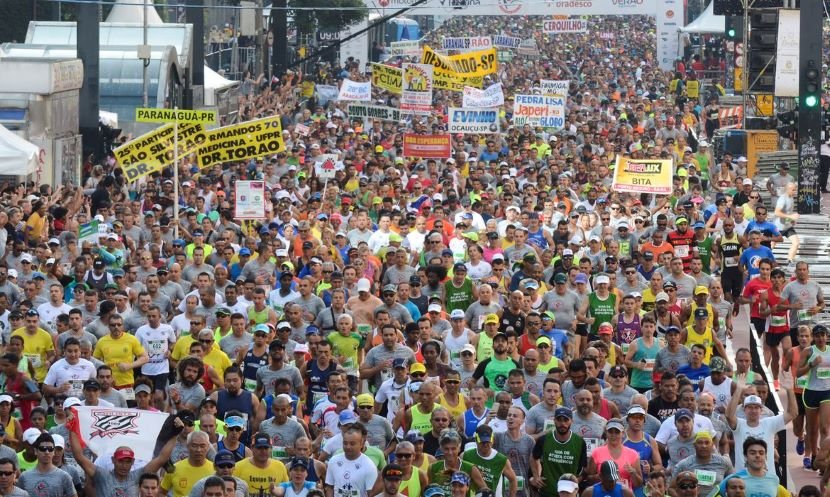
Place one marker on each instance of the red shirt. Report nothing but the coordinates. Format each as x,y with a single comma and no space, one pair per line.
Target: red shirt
751,290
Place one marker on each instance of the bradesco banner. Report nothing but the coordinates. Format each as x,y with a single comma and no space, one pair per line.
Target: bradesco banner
374,112
477,63
520,8
555,87
387,77
504,41
241,141
539,110
643,176
551,26
153,151
465,44
427,146
417,87
473,121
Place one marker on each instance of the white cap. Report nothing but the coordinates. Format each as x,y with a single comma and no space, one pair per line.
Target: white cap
450,161
281,252
567,486
662,296
59,441
753,400
12,273
26,257
112,236
603,278
363,285
513,208
497,256
435,308
567,252
457,314
594,238
742,159
71,401
747,181
50,260
30,435
6,398
99,218
301,348
469,348
54,241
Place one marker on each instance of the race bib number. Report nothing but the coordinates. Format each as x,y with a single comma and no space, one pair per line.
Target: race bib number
624,346
681,251
316,396
721,323
129,393
520,482
34,360
730,261
706,478
778,320
76,388
591,444
279,453
550,425
480,325
649,365
803,315
801,382
823,373
250,385
156,350
386,374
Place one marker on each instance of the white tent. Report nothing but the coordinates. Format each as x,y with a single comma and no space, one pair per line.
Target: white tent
17,156
133,11
707,22
215,82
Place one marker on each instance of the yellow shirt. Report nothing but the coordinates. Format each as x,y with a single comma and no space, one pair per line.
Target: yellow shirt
35,348
36,225
456,410
259,480
111,351
218,359
706,339
182,479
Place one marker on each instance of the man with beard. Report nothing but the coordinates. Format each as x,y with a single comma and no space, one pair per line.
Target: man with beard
683,240
586,423
282,429
234,397
495,369
188,393
557,452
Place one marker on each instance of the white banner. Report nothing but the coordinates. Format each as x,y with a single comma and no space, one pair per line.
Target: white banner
550,26
538,110
249,202
411,48
355,90
466,44
326,93
520,7
787,53
492,96
529,47
327,165
554,87
669,19
105,429
473,121
374,112
504,41
417,87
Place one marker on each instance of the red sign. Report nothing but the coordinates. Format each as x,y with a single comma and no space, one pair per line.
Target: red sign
427,146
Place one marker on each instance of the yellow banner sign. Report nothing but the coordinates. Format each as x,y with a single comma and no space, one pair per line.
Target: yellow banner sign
241,141
153,151
477,63
387,77
454,82
171,115
643,176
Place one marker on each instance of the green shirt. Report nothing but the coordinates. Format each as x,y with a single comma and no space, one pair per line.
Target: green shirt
459,298
704,250
558,458
348,347
491,469
601,310
438,475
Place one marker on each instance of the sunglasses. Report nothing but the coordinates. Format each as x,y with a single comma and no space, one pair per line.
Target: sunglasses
224,466
6,473
46,448
417,375
404,455
205,340
365,407
234,428
453,382
687,486
617,376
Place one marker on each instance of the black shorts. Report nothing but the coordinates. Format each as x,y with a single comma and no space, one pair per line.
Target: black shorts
812,399
774,339
799,399
788,232
733,282
794,335
159,381
760,325
582,329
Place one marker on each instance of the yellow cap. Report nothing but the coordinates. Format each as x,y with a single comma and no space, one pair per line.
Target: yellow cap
365,399
703,434
491,319
417,367
701,289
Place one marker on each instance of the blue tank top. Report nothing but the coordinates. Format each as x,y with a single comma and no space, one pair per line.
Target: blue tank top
538,239
312,471
317,381
238,454
601,492
252,362
242,403
471,422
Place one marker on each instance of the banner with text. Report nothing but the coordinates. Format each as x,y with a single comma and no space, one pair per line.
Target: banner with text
551,26
326,93
473,121
529,47
249,201
466,44
539,110
492,96
477,63
417,87
520,8
410,48
643,176
153,151
504,41
387,77
242,141
558,88
355,90
374,112
427,146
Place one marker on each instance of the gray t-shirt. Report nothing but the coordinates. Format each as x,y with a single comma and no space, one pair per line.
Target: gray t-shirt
476,312
537,416
652,425
231,344
380,354
717,464
192,395
53,483
283,435
564,307
621,399
199,488
6,451
518,452
63,337
804,293
396,276
327,319
534,383
267,377
685,285
398,313
114,397
380,431
592,427
312,304
667,360
679,449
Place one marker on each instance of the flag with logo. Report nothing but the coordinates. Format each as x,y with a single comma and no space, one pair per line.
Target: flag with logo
104,429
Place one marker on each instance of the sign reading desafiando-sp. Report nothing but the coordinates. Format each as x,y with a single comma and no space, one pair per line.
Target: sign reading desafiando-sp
153,151
171,115
241,141
477,63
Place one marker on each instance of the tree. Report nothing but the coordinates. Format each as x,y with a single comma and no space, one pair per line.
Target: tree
328,15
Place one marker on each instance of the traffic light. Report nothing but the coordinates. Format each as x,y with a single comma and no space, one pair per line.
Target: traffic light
734,28
812,86
763,39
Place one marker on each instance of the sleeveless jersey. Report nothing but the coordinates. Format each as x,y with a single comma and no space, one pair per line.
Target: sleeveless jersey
317,382
459,298
238,454
411,487
730,250
627,332
484,349
601,492
801,381
710,323
456,410
644,378
491,469
704,250
819,376
538,239
250,364
705,339
722,393
471,422
421,420
601,310
257,317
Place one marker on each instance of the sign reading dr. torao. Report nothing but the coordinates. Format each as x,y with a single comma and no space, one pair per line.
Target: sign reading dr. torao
242,142
643,176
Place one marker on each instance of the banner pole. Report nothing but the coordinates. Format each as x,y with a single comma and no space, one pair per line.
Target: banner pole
176,172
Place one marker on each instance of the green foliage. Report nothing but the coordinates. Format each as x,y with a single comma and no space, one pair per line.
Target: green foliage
334,15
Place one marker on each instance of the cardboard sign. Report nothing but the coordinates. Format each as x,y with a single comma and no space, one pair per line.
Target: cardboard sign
643,176
427,146
387,77
473,121
243,141
503,41
555,87
417,87
249,201
374,112
539,110
492,96
153,151
355,90
466,44
411,48
327,166
172,115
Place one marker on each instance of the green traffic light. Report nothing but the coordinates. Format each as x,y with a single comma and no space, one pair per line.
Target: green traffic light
811,101
731,33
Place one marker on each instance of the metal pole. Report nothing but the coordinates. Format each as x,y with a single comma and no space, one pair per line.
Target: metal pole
146,62
745,71
176,173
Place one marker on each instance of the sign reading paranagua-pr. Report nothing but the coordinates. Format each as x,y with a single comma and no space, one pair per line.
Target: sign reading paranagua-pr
171,115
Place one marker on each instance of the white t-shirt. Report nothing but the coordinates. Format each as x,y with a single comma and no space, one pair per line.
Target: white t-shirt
49,313
157,342
351,478
668,429
75,374
766,430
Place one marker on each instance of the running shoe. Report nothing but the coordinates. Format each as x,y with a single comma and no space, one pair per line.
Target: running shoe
799,447
808,464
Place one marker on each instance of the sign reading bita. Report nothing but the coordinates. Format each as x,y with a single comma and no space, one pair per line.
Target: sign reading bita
170,115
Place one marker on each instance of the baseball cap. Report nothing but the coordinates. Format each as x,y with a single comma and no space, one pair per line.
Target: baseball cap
261,441
683,413
469,348
400,362
602,279
491,319
69,402
224,456
701,313
7,398
417,367
390,289
298,462
748,401
124,453
700,289
414,436
92,384
363,285
563,412
365,399
560,278
484,434
455,314
543,339
235,422
30,435
661,297
581,278
717,365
